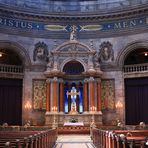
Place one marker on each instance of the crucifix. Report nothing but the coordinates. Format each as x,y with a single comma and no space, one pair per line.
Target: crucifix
73,93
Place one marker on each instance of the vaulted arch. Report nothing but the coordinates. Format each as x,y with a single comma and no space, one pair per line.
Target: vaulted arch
128,49
19,50
74,51
73,68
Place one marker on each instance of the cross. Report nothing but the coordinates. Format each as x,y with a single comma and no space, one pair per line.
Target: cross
73,93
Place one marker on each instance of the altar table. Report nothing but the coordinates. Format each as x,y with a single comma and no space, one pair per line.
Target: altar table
73,124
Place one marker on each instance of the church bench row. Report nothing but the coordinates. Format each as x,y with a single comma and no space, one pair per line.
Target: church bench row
131,142
42,139
29,139
24,128
119,138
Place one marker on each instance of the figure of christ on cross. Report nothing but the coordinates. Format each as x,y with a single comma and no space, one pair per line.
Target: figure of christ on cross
73,93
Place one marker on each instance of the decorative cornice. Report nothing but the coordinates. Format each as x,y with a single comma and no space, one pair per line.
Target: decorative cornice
42,25
101,16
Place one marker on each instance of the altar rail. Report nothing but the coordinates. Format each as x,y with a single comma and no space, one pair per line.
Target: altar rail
10,68
136,68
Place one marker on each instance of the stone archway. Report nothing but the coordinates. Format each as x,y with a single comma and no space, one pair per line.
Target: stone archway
132,81
11,82
21,51
128,49
72,50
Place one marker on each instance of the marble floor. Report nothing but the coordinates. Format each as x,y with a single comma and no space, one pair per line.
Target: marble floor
74,141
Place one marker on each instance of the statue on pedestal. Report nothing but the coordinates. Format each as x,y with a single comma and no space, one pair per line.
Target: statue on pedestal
50,61
73,34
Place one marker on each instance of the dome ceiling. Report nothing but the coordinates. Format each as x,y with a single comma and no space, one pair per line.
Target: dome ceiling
71,6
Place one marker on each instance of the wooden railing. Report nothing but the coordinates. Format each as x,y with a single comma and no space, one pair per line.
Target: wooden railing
135,68
10,68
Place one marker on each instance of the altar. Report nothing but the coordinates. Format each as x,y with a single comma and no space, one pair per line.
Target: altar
65,119
73,84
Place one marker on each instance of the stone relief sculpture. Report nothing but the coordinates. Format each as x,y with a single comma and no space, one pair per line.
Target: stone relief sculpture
106,52
50,61
96,60
40,52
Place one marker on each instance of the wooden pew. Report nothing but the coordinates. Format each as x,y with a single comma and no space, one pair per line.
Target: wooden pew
31,139
114,139
134,138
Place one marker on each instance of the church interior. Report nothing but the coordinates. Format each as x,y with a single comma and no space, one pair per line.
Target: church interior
74,67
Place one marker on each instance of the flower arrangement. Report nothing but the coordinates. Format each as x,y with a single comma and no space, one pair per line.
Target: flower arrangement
73,120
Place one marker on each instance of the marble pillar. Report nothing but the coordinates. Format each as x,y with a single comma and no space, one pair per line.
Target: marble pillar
99,95
48,91
92,106
85,96
61,96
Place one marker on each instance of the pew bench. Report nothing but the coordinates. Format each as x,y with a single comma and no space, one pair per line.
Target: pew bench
113,138
31,139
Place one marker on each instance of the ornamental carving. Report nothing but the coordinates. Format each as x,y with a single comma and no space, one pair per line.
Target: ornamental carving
106,52
70,51
40,52
73,34
50,61
96,60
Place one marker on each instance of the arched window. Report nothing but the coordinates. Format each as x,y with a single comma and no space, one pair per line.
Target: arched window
73,68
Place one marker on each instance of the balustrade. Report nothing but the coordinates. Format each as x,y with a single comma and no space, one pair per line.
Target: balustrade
10,69
135,68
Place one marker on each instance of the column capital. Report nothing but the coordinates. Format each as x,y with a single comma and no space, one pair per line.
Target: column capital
61,80
98,80
91,79
86,80
48,80
55,79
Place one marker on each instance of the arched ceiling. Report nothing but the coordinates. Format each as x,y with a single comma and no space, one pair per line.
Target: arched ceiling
137,56
9,57
72,6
